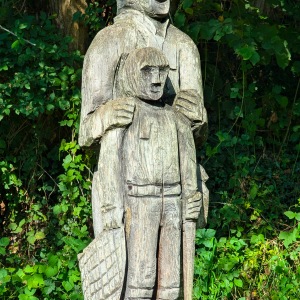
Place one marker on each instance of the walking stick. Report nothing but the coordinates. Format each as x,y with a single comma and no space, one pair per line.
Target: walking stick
189,230
188,243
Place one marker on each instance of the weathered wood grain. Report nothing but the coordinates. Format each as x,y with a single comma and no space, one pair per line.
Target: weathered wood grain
142,102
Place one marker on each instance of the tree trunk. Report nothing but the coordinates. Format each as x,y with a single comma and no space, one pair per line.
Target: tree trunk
263,7
65,10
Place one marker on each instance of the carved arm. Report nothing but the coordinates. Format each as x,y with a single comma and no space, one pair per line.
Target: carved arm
114,114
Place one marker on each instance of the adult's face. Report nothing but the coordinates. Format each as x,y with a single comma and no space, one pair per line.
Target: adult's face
152,80
155,8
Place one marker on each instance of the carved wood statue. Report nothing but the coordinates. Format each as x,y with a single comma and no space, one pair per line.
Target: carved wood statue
142,101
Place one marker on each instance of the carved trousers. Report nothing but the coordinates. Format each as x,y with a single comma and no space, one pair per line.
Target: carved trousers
153,236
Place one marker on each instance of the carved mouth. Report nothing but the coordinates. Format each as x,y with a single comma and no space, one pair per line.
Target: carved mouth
155,89
161,1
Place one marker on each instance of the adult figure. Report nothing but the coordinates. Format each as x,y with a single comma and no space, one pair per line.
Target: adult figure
139,24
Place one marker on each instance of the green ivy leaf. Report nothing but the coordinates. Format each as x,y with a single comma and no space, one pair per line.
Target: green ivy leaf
207,32
52,260
253,191
296,67
23,25
40,235
187,3
51,271
282,100
50,107
15,44
291,215
255,58
246,52
283,57
3,273
189,11
28,269
56,82
179,19
31,239
257,239
297,215
4,241
57,209
288,237
4,68
67,159
68,286
238,282
35,281
194,30
228,262
76,244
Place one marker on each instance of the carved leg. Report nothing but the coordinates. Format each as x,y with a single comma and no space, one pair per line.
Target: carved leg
142,222
169,250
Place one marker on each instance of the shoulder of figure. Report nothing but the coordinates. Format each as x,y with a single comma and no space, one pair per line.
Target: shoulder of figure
181,37
111,36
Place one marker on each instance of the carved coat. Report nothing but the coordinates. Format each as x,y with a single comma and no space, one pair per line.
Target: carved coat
131,30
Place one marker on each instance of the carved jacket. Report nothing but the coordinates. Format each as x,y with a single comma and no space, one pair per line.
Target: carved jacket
157,153
132,30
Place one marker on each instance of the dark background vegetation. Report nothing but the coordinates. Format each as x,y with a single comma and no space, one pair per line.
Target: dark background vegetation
250,54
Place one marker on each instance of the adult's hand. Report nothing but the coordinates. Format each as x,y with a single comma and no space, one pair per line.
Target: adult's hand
187,102
117,113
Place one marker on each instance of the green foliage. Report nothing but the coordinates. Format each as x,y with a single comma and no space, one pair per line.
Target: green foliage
45,184
250,55
235,267
251,67
98,14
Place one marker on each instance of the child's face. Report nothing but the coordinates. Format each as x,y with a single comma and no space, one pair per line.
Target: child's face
152,80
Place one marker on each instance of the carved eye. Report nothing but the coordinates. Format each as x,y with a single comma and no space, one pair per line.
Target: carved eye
147,69
164,70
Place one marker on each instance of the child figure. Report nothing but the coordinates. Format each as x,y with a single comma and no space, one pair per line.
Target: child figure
159,173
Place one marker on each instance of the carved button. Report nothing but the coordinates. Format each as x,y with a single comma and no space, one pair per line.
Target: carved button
130,187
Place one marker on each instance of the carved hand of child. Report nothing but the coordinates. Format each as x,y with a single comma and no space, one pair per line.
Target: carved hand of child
193,206
187,103
119,112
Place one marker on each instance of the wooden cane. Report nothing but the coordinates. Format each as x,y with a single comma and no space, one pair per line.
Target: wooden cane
188,241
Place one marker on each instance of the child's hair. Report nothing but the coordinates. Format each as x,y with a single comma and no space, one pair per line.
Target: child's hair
135,61
148,56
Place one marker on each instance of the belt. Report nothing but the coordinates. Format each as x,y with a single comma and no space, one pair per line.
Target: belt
153,190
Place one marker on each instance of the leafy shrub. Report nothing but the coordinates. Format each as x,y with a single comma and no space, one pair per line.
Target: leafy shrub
45,181
250,65
238,268
250,73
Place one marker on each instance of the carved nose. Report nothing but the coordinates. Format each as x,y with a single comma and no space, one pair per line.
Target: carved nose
155,78
156,84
